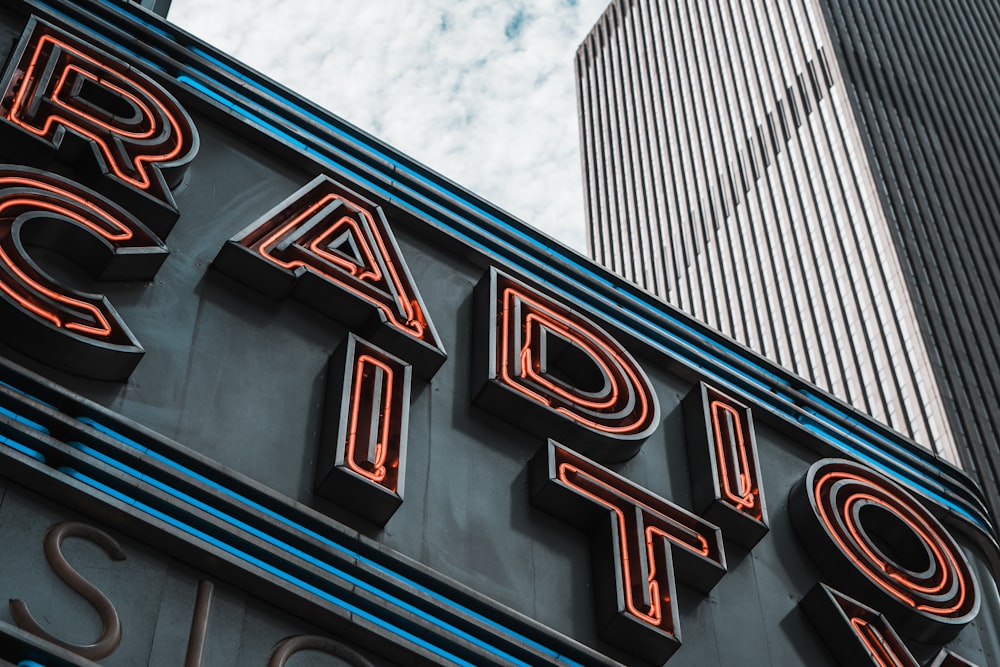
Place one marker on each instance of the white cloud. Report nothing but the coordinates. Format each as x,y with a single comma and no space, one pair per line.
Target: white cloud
482,92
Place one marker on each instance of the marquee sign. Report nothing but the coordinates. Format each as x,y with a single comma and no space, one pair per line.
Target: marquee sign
336,251
262,400
575,379
77,331
64,96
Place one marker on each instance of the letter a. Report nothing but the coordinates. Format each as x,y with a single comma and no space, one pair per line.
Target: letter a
333,250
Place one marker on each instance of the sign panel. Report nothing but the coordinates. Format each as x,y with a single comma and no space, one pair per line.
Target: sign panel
271,392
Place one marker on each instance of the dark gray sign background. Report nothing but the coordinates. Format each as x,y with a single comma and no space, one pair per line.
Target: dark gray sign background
240,378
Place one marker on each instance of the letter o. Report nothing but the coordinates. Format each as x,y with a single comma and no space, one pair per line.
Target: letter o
878,543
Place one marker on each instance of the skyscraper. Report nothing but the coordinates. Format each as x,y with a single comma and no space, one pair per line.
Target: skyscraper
817,180
367,429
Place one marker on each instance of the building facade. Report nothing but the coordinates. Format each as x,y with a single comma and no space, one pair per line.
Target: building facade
273,393
816,181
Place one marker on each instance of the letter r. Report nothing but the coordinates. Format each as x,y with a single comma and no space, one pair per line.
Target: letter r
63,91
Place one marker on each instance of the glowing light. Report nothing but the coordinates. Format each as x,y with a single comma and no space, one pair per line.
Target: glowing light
736,474
624,407
878,646
25,193
48,101
336,251
651,535
945,595
363,452
380,403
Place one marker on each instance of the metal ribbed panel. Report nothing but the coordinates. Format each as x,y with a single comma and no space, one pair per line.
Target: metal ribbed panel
739,191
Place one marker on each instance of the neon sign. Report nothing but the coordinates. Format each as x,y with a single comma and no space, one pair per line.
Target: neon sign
537,362
58,89
579,384
363,449
68,329
882,544
725,472
333,250
858,635
636,593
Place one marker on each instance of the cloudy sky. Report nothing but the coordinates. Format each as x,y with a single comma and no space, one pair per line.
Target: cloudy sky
482,91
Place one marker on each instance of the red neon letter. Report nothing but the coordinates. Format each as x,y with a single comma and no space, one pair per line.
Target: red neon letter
362,459
881,544
79,332
946,658
859,635
578,383
636,596
725,474
58,87
335,250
